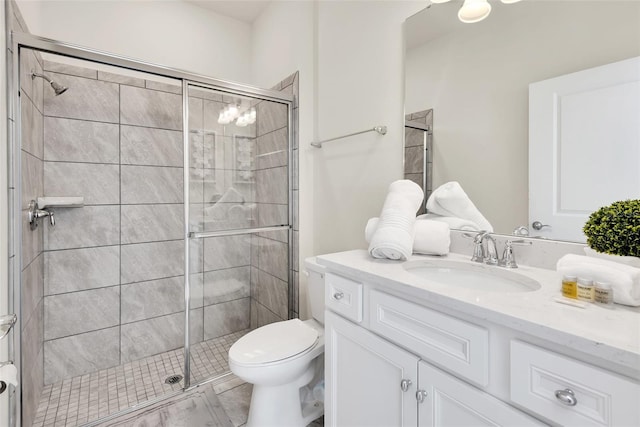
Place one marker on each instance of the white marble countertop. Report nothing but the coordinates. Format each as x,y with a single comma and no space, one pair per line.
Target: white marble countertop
609,334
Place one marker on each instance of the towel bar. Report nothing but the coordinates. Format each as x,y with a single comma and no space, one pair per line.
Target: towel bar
382,130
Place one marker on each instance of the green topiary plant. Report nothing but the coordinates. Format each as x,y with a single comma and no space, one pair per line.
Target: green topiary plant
615,229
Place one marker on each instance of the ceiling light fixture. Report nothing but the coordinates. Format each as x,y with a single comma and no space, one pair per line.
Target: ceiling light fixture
474,10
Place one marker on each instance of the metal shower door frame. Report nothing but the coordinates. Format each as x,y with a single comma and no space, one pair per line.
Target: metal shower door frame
19,41
190,235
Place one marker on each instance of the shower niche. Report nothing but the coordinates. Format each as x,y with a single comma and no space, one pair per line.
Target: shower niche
161,258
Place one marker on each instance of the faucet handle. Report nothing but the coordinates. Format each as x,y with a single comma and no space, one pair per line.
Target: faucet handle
508,257
478,252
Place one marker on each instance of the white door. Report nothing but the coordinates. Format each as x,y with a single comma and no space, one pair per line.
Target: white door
451,402
363,375
584,146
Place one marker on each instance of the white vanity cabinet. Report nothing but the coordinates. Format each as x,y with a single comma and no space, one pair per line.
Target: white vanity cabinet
371,381
451,402
396,360
364,378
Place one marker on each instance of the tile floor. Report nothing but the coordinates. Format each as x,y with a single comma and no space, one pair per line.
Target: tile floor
196,408
235,398
224,404
87,398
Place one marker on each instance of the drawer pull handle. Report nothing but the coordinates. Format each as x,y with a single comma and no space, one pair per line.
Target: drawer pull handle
567,397
421,396
405,384
338,296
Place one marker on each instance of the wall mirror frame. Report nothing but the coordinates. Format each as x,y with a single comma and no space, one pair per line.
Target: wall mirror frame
475,78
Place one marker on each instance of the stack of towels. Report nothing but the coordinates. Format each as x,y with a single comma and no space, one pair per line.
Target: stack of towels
450,204
397,234
624,279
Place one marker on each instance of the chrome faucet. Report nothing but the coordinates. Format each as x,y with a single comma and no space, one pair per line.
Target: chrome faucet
487,253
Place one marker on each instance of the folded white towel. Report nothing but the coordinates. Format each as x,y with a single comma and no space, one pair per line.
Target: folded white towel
452,221
393,238
624,279
430,237
450,200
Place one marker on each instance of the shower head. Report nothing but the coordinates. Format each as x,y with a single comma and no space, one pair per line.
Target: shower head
57,87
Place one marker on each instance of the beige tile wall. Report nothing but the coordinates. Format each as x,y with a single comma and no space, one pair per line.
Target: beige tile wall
415,150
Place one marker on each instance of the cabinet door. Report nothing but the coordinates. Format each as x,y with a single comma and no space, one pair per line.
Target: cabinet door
363,375
451,402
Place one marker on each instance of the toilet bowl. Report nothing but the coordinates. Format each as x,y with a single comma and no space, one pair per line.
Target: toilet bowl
279,359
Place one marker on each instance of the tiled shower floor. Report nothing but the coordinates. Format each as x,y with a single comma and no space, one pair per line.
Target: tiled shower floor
83,399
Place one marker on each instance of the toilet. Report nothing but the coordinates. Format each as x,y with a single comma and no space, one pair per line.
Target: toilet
281,358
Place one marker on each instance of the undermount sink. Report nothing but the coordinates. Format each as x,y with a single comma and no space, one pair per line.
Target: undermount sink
472,276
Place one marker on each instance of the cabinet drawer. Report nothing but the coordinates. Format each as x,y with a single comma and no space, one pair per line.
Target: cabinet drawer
601,398
344,296
452,344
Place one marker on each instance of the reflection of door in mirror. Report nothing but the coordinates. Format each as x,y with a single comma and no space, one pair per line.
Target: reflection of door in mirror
418,160
476,77
584,145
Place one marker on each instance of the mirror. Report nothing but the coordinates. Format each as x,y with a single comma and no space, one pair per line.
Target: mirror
476,77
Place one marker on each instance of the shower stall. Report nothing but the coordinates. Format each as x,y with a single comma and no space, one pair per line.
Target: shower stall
152,225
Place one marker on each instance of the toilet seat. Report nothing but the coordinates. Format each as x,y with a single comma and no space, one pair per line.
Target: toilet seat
273,343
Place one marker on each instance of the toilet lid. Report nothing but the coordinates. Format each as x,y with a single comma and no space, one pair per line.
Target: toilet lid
273,342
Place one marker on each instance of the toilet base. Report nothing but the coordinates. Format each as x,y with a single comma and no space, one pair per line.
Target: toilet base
280,406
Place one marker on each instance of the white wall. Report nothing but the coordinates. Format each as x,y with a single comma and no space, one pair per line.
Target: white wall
282,42
172,33
360,85
476,80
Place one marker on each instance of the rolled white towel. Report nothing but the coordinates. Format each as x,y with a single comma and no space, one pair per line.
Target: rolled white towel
393,238
452,221
624,279
450,200
430,237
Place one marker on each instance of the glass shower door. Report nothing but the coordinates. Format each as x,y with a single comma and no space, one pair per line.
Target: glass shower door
239,221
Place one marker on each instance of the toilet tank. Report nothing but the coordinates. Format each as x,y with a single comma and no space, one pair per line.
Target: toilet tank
316,288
